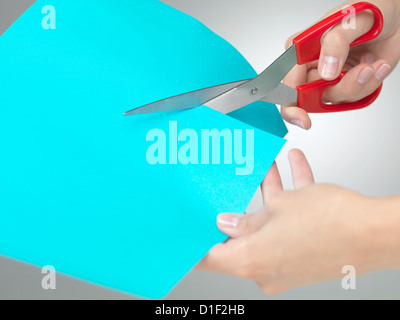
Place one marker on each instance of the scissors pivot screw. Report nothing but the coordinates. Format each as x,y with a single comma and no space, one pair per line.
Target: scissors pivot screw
254,91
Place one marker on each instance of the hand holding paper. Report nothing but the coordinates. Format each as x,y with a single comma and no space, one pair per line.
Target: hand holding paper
307,236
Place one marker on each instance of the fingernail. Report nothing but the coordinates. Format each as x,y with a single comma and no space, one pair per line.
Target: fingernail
229,220
365,75
369,58
330,67
298,123
382,72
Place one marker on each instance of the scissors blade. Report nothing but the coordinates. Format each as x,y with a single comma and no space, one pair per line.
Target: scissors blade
187,100
257,88
282,95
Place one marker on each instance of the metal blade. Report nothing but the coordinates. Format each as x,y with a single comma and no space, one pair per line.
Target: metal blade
257,88
187,100
282,95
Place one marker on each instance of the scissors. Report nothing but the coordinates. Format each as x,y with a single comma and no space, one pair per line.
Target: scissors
267,86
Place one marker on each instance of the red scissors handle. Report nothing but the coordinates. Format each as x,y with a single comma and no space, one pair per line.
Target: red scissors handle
310,96
308,48
308,44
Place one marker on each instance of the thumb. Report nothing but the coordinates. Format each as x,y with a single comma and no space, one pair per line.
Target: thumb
335,45
237,225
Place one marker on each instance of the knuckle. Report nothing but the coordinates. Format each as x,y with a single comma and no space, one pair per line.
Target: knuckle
245,225
328,188
276,201
289,42
334,38
248,224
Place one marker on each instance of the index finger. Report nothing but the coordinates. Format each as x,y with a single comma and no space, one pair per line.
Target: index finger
272,183
301,170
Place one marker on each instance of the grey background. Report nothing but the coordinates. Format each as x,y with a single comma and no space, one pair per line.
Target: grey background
357,150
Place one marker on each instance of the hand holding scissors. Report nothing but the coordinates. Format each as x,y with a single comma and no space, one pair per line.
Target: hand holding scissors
268,85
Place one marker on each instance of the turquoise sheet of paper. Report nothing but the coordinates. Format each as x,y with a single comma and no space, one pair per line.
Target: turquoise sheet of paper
76,190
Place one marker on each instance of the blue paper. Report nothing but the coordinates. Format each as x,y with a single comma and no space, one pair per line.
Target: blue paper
76,189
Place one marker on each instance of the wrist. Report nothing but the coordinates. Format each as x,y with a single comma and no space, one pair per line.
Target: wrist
381,228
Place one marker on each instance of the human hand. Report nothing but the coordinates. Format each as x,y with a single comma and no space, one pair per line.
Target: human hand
368,64
300,237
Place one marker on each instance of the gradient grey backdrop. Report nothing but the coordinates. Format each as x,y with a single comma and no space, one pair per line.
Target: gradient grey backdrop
357,150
